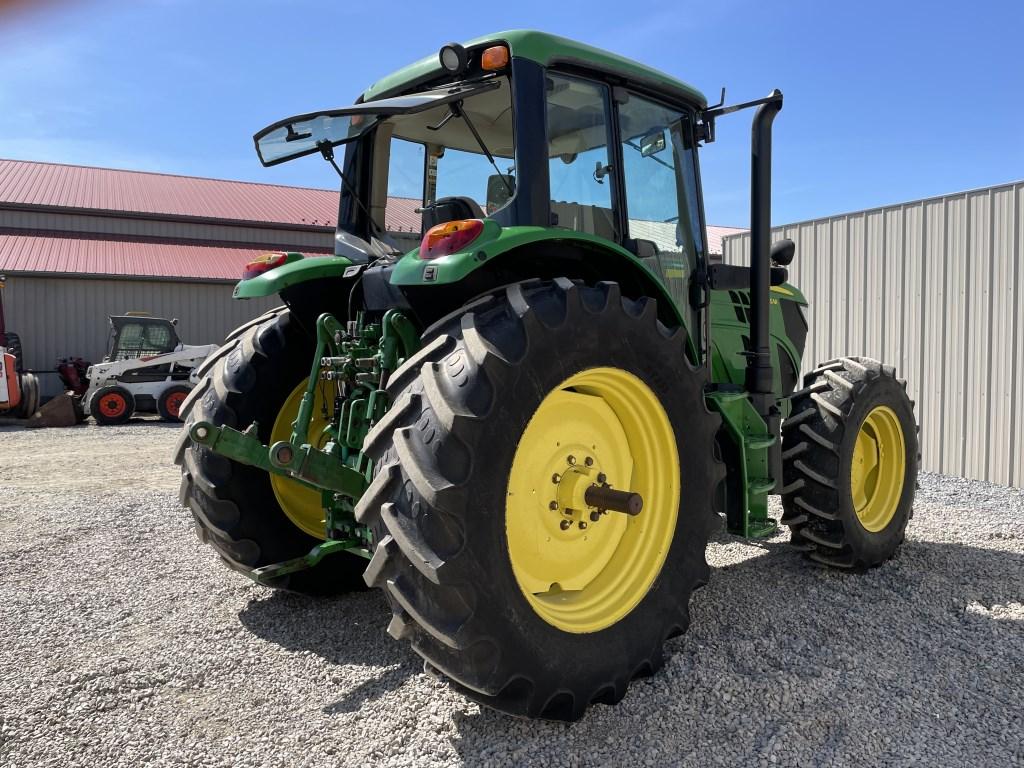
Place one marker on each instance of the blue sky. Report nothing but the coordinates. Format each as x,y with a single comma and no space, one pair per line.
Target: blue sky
885,101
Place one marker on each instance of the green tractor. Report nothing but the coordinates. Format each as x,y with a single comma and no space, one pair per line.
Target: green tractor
525,429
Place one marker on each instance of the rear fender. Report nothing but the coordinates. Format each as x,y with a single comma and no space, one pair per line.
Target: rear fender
504,255
302,270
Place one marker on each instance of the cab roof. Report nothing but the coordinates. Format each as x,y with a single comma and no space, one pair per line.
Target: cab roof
544,49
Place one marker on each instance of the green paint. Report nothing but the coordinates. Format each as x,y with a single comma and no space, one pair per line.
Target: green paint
360,358
268,573
298,271
495,241
729,328
546,50
749,431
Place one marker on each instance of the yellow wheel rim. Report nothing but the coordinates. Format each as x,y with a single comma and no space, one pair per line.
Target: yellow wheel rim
878,469
581,574
300,503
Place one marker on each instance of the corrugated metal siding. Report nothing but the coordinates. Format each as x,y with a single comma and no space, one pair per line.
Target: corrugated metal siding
61,317
935,288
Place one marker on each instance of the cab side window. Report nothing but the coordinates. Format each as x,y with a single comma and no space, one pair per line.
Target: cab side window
660,189
579,167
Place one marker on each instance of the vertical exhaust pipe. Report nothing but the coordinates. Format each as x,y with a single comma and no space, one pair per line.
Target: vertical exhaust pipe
759,360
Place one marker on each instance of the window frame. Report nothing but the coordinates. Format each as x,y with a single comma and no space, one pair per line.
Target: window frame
611,136
690,112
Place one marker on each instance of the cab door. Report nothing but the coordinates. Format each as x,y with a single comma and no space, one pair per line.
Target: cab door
660,196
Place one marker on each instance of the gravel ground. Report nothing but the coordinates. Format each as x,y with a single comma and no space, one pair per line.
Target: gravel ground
123,642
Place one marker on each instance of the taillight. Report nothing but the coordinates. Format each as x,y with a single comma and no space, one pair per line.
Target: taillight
264,263
450,237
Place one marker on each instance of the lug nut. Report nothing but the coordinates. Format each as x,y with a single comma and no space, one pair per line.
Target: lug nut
555,478
202,432
571,459
553,505
588,461
583,525
595,516
565,525
601,477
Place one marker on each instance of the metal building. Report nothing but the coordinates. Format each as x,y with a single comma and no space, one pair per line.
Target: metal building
935,288
78,244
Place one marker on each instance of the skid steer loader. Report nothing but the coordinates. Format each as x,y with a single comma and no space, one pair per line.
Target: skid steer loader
524,431
146,368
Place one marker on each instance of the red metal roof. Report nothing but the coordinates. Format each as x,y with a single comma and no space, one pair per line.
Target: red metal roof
84,255
105,189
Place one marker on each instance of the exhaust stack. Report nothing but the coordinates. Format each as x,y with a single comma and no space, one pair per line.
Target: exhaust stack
759,360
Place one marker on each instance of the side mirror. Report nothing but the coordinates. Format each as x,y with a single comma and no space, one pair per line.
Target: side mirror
782,252
652,143
500,187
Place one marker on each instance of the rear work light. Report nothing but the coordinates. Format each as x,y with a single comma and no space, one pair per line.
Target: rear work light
449,237
264,263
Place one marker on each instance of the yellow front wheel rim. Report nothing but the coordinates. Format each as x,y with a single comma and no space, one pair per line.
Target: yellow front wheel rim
300,503
878,469
580,570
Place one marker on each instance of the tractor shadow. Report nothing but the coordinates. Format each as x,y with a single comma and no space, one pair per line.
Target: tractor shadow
344,631
777,642
774,640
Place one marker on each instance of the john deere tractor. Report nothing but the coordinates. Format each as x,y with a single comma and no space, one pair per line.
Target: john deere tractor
524,425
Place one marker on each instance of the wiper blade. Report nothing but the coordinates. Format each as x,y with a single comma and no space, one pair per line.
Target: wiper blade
456,110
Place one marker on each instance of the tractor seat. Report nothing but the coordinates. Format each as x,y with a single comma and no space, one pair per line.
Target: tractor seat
451,209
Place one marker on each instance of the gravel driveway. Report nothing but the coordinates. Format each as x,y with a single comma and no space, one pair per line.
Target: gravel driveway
124,642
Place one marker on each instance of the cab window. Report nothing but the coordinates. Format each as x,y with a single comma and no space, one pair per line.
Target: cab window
434,156
578,159
660,189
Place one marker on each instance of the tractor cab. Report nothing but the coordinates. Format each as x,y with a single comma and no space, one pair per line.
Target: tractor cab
135,336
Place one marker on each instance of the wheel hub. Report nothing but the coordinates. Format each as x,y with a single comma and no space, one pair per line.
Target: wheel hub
580,566
878,469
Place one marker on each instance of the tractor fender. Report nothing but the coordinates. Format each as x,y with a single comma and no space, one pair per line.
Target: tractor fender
500,256
302,270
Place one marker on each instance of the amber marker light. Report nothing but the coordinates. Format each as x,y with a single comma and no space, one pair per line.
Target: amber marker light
494,58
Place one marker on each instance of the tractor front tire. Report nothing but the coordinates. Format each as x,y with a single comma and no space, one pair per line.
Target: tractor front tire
112,405
497,573
237,509
850,463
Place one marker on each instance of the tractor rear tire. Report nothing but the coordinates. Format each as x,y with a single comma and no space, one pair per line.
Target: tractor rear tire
168,405
15,348
447,516
112,405
850,463
236,511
